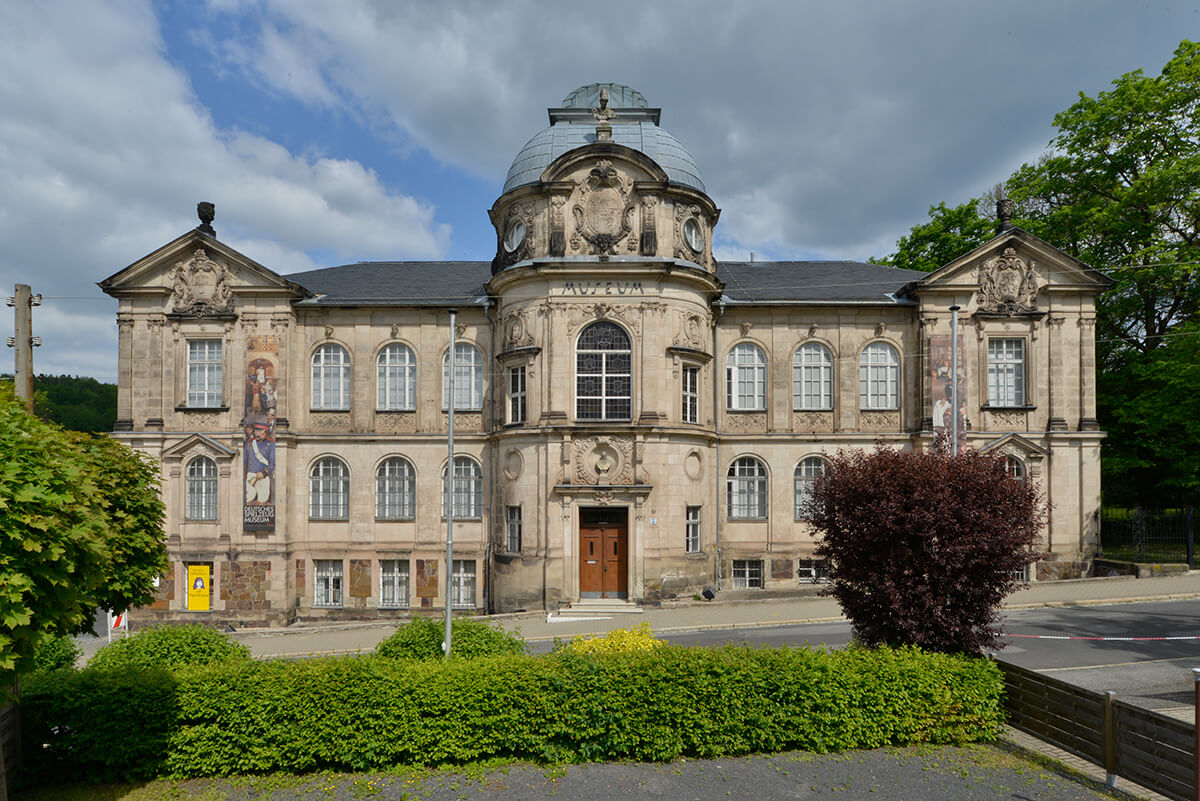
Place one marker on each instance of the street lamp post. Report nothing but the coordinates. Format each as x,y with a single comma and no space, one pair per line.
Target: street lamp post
449,489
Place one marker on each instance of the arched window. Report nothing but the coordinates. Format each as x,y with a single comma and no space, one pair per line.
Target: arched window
201,489
329,490
397,379
603,373
1015,467
746,378
395,490
468,378
879,377
808,471
467,490
812,377
746,489
331,378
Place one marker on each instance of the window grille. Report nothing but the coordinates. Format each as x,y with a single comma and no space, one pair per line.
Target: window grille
329,490
462,584
327,583
746,488
393,583
395,490
201,490
467,489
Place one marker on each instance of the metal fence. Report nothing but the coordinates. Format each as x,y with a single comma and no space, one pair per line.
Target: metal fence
1156,751
1148,535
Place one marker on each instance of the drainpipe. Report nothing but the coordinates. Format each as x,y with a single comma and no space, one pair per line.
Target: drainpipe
717,430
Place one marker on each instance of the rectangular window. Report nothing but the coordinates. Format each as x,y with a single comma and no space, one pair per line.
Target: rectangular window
692,535
393,583
747,574
812,571
1006,372
691,394
516,395
327,583
462,584
204,373
512,516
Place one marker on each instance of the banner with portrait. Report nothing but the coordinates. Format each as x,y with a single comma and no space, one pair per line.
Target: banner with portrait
940,359
258,426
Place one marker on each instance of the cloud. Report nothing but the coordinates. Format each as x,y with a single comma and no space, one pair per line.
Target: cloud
104,151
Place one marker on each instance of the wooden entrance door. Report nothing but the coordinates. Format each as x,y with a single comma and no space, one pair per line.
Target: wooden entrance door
603,553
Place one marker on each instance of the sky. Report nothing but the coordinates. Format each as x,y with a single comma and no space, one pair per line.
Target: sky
333,132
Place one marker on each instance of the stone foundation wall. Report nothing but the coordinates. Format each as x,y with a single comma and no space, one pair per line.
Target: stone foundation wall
246,586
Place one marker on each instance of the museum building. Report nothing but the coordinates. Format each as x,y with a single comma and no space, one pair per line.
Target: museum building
633,421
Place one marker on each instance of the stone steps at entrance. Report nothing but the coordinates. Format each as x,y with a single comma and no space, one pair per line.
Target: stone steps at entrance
591,607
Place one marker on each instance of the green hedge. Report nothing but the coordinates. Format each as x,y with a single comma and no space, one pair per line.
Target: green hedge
169,647
421,638
360,713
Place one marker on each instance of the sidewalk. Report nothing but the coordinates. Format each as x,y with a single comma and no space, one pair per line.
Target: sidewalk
304,639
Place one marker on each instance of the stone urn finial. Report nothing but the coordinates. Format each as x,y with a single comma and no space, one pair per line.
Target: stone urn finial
1004,214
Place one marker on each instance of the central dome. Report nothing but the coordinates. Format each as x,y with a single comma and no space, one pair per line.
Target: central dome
634,125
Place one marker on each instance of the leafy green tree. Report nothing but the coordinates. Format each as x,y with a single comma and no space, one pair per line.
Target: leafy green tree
80,528
950,233
77,403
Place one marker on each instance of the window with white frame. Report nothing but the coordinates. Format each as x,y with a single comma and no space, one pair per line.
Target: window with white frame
516,395
201,489
327,583
691,394
807,472
462,584
329,490
512,520
467,489
812,378
691,537
331,378
204,374
468,378
393,583
396,374
1006,372
395,490
746,489
747,574
1015,467
603,373
746,378
879,377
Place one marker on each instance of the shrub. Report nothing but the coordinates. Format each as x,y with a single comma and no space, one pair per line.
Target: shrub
923,546
369,713
421,638
633,638
56,653
169,648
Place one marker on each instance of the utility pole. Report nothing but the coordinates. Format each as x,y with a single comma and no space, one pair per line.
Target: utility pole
23,342
449,489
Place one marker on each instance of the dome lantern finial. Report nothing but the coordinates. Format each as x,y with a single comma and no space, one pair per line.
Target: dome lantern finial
603,114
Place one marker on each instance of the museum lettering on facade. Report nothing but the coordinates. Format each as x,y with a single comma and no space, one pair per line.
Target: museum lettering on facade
634,421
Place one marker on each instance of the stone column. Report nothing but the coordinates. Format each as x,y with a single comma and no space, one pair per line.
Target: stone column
124,372
1055,389
1087,375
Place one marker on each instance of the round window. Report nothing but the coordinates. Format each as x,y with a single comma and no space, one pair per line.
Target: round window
514,237
693,235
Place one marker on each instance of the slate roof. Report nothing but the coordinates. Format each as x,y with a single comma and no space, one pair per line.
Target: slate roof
396,283
814,282
445,283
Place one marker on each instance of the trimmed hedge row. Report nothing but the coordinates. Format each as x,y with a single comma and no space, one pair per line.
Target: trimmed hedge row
363,713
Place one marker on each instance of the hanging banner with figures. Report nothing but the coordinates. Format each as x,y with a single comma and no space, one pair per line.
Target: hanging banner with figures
940,359
258,453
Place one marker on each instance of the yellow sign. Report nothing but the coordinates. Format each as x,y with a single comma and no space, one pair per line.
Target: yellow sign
197,594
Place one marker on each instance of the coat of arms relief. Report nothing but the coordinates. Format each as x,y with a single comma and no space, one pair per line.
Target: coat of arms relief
1008,284
200,286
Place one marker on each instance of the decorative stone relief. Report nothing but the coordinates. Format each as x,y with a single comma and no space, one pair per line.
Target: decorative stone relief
682,250
812,421
558,242
577,315
691,331
194,420
516,330
1007,420
396,422
330,420
602,498
604,460
329,332
740,421
693,465
880,328
746,328
200,286
649,239
604,211
519,220
155,324
463,421
514,465
879,421
1007,284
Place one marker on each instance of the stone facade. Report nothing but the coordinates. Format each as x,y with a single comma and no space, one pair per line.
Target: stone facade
636,420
